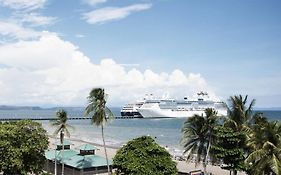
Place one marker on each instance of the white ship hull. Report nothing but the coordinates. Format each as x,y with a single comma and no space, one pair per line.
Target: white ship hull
154,111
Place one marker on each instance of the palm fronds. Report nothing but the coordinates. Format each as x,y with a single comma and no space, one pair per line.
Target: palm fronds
198,135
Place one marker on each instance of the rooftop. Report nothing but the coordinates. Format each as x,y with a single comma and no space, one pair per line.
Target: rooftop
87,161
52,154
74,159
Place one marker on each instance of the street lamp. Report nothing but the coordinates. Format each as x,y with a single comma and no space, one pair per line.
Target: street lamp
56,156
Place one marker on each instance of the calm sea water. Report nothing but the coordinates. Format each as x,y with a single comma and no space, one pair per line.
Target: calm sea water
166,132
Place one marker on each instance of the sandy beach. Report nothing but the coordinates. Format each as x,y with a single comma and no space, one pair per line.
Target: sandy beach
182,166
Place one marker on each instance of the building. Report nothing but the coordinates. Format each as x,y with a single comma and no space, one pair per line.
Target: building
84,162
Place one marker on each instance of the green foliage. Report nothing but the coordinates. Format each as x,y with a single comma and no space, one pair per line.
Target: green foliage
258,134
143,156
96,108
236,130
239,113
198,135
61,127
265,144
61,124
22,146
99,113
244,141
228,148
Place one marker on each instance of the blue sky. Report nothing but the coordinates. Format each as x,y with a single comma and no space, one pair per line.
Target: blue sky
224,47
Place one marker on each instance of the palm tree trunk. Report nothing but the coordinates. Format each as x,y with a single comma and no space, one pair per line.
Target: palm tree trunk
102,133
56,158
206,158
55,165
62,154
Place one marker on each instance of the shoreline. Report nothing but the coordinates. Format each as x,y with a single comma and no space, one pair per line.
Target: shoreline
83,141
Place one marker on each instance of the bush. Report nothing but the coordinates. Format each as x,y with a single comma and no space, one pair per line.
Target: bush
22,146
143,156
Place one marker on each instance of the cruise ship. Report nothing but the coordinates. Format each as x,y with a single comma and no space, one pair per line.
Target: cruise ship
169,108
131,110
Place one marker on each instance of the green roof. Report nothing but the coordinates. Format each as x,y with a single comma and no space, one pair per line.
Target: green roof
87,147
87,161
65,142
73,159
52,154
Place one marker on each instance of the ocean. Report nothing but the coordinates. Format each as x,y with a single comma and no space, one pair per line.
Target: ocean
166,131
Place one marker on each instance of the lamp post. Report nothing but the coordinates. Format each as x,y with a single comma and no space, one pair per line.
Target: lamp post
55,161
56,156
62,169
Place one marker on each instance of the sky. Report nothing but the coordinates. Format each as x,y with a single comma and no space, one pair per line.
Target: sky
52,53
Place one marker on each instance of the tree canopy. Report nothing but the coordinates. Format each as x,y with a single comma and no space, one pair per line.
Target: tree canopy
22,146
265,148
229,148
144,156
243,141
63,128
198,136
99,113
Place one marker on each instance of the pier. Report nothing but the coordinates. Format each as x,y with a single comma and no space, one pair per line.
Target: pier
52,118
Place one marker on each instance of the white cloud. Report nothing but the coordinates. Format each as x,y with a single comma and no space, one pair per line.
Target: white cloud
36,19
50,70
23,4
16,31
94,2
107,14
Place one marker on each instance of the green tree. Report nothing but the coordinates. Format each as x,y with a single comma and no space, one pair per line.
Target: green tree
22,147
63,128
99,113
239,113
198,136
143,156
239,118
257,136
228,148
265,141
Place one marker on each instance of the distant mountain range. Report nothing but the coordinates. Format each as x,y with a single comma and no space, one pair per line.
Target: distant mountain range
7,107
4,107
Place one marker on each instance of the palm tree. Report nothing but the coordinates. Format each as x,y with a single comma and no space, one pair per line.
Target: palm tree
266,143
62,128
239,113
198,136
256,136
99,113
239,118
